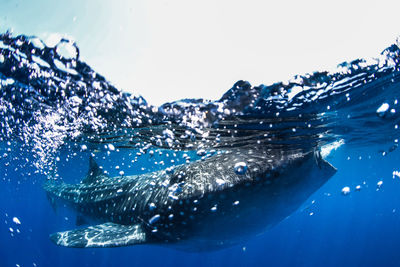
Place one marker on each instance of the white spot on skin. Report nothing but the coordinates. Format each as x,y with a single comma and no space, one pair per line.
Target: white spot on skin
220,181
154,219
152,206
214,208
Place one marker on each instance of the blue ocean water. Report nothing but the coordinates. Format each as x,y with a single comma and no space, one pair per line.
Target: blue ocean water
56,111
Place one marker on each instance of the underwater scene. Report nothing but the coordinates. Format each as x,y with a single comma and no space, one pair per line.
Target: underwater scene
297,172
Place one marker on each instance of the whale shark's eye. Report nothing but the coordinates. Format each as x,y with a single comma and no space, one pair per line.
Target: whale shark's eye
240,168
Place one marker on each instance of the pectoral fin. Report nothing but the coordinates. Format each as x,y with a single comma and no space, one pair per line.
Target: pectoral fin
102,235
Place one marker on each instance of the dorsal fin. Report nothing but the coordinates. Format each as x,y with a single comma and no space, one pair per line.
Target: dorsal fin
94,173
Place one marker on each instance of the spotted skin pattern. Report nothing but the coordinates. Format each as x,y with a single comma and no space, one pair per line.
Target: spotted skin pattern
203,205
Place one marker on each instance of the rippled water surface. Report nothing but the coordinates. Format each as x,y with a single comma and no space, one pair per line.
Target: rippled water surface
56,112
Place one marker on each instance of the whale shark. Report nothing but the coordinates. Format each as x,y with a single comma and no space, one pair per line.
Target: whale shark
208,204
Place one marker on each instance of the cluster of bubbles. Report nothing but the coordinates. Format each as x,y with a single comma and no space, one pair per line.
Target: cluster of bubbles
347,190
50,99
14,225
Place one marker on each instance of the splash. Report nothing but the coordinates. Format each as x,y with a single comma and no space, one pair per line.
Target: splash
50,99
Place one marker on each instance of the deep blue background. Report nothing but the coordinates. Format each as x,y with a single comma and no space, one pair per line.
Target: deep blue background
360,229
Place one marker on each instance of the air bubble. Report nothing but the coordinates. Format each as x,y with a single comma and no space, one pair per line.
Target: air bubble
346,190
381,111
37,43
67,50
16,220
201,152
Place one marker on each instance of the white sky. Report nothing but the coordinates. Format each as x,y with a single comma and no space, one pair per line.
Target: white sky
166,50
